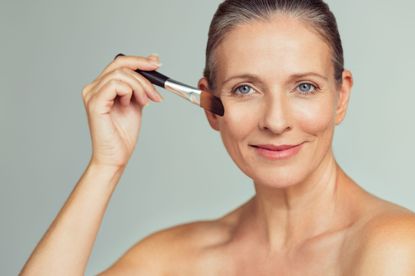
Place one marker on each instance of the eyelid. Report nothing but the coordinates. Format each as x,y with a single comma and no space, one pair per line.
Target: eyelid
308,82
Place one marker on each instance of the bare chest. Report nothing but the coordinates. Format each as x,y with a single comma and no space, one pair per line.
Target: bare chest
326,256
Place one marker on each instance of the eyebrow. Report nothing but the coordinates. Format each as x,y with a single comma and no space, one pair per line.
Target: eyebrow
257,78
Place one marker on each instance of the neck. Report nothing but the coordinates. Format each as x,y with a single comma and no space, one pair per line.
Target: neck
288,217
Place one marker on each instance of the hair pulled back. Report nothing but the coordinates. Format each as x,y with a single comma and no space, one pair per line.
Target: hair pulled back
232,13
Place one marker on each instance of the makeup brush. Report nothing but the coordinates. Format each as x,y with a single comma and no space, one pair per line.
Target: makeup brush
201,98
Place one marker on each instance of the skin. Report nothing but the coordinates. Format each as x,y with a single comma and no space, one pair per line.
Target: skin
307,216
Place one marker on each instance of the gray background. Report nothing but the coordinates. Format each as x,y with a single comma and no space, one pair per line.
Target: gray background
180,171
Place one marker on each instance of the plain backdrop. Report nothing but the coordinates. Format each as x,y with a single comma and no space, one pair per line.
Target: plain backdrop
180,171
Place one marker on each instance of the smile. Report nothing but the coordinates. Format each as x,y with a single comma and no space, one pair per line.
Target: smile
273,152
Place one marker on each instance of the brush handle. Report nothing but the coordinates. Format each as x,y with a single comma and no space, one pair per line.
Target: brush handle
154,77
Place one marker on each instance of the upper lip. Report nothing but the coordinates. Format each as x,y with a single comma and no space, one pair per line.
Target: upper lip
276,147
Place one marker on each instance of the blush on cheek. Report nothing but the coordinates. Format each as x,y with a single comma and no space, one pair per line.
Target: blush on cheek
239,120
314,118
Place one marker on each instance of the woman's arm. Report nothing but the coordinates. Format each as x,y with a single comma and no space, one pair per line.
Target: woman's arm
114,102
67,245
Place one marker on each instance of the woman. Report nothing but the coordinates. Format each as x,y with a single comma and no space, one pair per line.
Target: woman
278,68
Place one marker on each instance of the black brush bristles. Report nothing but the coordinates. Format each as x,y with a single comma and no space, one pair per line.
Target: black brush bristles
211,103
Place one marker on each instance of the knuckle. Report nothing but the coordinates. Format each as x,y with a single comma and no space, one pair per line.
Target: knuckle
119,72
113,82
86,89
90,105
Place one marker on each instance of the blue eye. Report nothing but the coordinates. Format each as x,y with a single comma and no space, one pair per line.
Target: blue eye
243,90
306,88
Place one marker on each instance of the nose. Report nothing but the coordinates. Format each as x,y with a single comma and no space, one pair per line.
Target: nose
276,116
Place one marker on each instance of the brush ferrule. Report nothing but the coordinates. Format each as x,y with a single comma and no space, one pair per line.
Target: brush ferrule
188,92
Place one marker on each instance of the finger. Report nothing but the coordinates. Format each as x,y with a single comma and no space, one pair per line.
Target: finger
103,102
154,57
126,99
149,88
126,75
140,92
132,62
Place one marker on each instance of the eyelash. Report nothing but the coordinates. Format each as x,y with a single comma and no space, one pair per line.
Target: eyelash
316,89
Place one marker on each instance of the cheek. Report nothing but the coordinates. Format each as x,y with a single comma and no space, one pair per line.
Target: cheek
235,126
238,121
314,117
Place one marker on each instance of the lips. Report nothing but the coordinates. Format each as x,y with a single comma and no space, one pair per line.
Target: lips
277,152
276,148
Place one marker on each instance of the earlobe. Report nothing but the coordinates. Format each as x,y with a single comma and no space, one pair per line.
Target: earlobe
344,96
213,120
211,117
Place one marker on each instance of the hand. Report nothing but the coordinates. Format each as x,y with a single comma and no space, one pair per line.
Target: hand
114,103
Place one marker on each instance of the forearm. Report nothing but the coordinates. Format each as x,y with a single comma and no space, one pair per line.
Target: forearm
68,243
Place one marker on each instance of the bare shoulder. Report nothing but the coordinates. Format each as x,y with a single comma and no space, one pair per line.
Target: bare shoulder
180,249
386,243
168,249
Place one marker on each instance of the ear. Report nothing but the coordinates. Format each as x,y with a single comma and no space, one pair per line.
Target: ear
344,96
212,118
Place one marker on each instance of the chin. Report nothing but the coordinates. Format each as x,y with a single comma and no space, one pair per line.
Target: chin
278,178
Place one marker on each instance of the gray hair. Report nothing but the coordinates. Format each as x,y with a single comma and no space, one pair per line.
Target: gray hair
232,13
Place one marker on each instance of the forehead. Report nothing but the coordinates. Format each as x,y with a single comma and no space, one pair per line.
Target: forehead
283,45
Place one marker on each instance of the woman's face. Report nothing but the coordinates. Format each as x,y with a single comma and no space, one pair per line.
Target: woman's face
276,81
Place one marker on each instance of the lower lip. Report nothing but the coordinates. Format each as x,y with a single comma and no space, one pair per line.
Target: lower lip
279,155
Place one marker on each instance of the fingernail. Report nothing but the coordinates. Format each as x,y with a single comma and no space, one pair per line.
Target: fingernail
156,63
154,59
159,97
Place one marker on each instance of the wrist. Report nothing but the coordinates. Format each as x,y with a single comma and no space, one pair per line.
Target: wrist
106,167
105,173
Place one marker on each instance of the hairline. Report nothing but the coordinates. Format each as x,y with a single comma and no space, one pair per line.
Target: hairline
266,18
